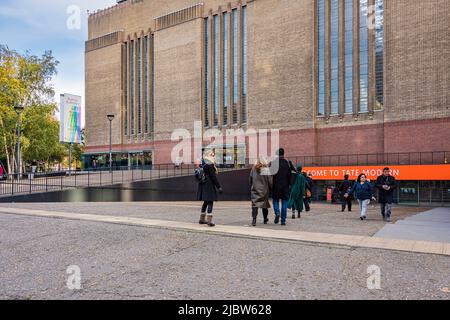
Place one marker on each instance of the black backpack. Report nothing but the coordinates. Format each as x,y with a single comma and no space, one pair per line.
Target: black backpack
200,175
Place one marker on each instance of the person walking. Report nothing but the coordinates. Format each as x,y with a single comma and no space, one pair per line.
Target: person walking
298,193
308,195
292,181
344,188
363,191
261,184
386,184
281,186
207,188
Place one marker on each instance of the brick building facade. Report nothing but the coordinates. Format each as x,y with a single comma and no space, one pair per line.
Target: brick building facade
337,77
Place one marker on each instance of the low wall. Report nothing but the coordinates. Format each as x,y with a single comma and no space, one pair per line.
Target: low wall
234,183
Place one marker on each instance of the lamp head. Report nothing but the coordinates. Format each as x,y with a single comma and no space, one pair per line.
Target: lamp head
18,107
110,117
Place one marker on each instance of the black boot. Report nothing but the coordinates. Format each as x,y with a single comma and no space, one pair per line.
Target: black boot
254,215
266,216
277,219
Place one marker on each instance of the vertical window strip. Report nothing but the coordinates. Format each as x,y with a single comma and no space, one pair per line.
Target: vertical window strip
132,57
216,68
146,84
225,69
379,52
206,68
348,56
334,57
139,87
235,65
364,58
321,57
125,85
244,64
152,60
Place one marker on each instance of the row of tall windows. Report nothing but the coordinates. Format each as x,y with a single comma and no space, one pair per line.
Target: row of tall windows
138,85
225,46
331,21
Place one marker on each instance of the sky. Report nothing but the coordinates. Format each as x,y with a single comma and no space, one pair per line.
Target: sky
56,25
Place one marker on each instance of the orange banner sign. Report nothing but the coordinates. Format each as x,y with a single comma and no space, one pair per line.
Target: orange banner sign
405,173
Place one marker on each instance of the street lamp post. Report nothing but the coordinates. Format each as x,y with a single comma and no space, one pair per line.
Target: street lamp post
110,118
18,108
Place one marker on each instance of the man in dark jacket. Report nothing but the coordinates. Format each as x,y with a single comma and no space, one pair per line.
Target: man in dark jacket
281,186
386,184
344,187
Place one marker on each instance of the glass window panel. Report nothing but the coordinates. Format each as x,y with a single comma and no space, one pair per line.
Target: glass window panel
132,58
225,68
206,75
321,55
235,42
244,64
139,105
216,69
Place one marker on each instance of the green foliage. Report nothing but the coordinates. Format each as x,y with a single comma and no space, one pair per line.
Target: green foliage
25,81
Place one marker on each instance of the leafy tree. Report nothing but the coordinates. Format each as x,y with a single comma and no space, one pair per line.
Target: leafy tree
25,80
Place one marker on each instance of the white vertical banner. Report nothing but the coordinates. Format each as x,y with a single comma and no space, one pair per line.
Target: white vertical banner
70,122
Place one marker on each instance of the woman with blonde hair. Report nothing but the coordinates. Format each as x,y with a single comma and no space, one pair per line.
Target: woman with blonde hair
261,185
207,188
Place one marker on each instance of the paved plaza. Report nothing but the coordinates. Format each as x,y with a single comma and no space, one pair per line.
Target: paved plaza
157,251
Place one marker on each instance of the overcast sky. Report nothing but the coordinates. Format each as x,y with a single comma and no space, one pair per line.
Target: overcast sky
39,25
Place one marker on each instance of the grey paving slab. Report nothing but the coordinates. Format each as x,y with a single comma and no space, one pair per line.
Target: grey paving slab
432,225
130,262
323,218
246,232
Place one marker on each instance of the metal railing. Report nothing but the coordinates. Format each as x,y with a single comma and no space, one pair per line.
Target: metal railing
407,158
58,181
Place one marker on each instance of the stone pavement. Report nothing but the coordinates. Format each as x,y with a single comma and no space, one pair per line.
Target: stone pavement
432,225
248,232
323,218
157,251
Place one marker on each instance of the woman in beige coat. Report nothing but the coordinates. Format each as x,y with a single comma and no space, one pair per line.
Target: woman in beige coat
261,186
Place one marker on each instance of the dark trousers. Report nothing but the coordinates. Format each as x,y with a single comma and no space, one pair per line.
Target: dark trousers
386,209
255,213
207,205
347,203
307,203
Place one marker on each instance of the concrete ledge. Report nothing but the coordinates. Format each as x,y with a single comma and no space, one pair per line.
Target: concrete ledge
319,238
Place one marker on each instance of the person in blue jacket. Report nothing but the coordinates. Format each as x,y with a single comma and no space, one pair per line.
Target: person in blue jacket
364,192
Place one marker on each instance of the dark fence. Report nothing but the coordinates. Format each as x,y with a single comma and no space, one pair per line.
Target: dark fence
411,158
179,188
57,181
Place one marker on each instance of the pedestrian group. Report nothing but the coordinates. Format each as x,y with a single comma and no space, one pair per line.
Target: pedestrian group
290,189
